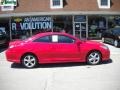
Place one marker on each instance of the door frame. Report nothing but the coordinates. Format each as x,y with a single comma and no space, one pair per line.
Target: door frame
82,22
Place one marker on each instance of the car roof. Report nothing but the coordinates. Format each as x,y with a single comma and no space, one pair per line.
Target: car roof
52,33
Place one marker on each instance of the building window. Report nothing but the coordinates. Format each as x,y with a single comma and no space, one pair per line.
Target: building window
54,4
105,4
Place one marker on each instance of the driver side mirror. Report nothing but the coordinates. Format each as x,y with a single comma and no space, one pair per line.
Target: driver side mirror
78,42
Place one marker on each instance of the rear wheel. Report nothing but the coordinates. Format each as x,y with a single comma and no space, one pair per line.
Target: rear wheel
94,58
29,61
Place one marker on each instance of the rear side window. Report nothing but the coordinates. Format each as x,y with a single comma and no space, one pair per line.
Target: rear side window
43,39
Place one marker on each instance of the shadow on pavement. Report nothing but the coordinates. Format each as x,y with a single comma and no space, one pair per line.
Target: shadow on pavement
19,66
106,62
55,65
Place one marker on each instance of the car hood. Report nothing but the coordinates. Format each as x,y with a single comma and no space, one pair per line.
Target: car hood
92,42
15,42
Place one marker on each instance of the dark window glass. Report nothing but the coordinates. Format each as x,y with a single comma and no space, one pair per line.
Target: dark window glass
80,18
104,2
116,31
2,33
43,39
56,2
65,39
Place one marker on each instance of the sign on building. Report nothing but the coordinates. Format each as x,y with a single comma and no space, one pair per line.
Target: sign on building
80,18
8,5
8,2
34,23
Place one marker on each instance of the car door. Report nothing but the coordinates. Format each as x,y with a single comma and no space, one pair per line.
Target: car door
43,46
65,48
108,36
111,36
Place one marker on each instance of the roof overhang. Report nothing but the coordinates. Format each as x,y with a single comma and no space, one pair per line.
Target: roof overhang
61,13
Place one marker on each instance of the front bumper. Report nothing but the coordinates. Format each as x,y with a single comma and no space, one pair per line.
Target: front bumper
106,55
12,56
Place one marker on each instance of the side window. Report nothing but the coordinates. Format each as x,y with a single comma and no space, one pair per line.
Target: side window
104,3
56,4
43,39
116,31
65,39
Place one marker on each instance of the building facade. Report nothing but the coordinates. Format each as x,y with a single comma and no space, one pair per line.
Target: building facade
81,18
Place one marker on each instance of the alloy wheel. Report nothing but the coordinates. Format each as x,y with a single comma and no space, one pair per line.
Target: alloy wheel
29,61
94,58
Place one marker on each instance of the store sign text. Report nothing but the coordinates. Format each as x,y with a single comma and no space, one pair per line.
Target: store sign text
32,23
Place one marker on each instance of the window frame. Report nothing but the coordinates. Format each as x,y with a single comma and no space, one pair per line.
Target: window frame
56,6
51,40
104,6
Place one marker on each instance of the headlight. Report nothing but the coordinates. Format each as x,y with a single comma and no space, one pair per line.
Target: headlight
104,47
11,46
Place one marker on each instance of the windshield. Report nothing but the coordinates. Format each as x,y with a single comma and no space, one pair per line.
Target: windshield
116,31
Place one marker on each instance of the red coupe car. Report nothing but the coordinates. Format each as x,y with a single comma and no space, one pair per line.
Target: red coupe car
56,48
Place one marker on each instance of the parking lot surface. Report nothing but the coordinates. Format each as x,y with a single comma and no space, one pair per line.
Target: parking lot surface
70,76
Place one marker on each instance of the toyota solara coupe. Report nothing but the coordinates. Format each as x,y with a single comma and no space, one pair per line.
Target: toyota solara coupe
56,48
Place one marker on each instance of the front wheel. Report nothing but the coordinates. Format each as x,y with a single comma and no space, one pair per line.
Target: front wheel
94,58
29,61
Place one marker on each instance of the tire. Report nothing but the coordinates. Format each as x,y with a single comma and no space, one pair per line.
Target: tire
29,61
115,43
94,58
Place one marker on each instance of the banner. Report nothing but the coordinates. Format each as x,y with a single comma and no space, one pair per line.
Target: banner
27,23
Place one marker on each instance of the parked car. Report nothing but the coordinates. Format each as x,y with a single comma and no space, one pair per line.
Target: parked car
112,36
56,48
3,38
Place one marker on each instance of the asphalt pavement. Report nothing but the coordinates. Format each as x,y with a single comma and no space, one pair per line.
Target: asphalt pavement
70,76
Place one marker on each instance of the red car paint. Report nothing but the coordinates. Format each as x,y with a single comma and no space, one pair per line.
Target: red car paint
55,52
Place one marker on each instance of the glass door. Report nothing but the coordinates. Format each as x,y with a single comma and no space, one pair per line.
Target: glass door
83,30
80,30
77,30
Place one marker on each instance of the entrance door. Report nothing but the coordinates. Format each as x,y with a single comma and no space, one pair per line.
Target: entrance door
80,30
